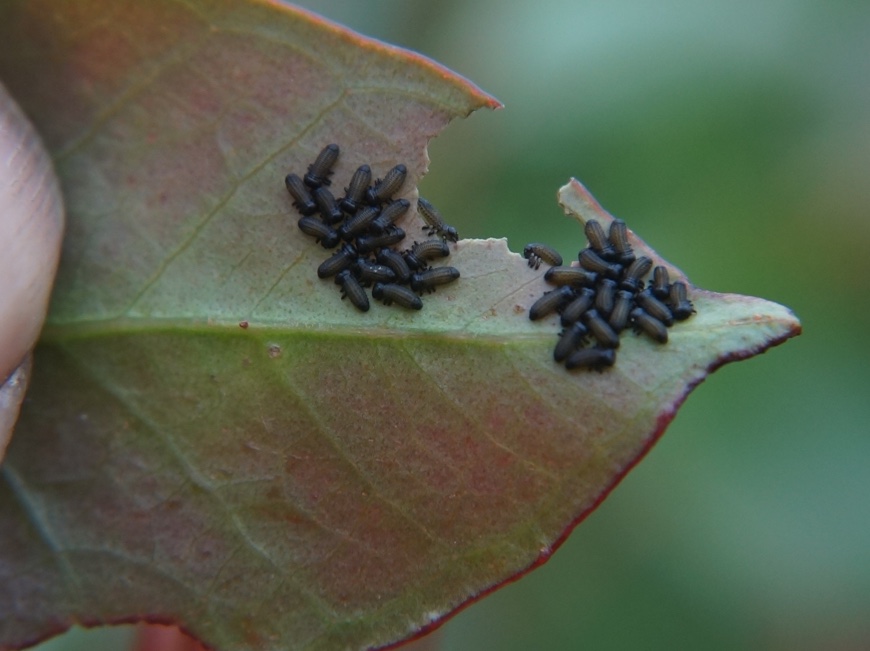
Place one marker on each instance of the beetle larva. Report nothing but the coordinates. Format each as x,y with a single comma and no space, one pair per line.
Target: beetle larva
434,222
337,262
430,278
550,302
355,192
570,339
390,215
390,293
301,198
351,289
650,325
324,234
574,276
535,253
388,186
601,330
592,358
320,170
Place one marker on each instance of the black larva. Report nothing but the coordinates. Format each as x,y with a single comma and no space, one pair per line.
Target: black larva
369,243
320,170
632,278
598,240
592,358
395,261
647,323
601,330
605,296
678,300
356,191
301,197
329,210
661,283
388,186
550,302
591,261
571,338
426,250
324,234
619,239
585,297
369,272
359,223
390,215
337,262
535,253
351,288
398,294
574,276
654,307
431,278
621,308
434,223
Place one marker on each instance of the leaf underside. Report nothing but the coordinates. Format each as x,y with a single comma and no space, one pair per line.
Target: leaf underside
322,478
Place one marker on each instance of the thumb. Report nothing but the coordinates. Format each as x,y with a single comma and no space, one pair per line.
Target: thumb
31,229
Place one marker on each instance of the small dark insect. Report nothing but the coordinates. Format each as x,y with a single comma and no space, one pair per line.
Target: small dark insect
417,256
390,215
435,224
679,301
390,293
301,198
606,292
619,239
351,289
320,170
601,330
324,234
430,278
570,339
650,325
337,262
388,186
592,358
369,272
550,302
358,223
368,243
574,276
355,192
575,309
655,308
661,284
632,279
598,240
535,253
395,261
591,261
329,210
621,309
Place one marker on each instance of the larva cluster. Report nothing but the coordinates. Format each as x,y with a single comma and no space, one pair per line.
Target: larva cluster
604,295
362,228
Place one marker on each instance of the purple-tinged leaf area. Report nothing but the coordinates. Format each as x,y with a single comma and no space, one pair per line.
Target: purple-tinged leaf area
173,124
319,478
273,489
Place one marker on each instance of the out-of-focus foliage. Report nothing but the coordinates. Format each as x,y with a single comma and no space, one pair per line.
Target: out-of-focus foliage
736,138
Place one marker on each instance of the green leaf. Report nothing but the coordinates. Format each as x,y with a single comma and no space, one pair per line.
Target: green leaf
322,478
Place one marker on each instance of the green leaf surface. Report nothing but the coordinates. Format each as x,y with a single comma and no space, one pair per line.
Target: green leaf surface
322,478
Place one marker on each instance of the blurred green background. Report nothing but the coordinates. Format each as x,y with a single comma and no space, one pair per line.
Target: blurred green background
735,138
